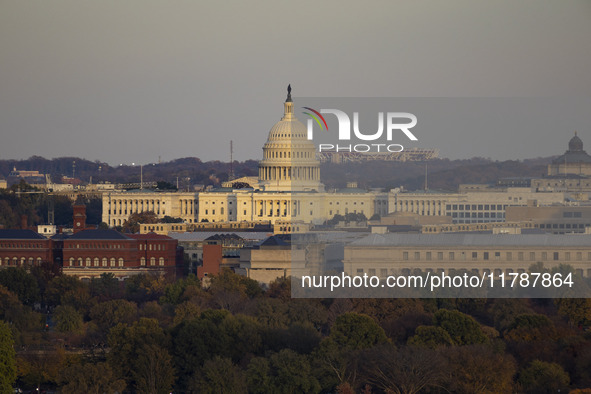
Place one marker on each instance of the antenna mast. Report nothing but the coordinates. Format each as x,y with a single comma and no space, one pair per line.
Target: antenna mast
231,160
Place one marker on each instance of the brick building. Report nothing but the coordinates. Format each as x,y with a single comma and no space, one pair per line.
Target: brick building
88,253
20,248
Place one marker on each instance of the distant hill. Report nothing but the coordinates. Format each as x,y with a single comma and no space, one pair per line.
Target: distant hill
443,174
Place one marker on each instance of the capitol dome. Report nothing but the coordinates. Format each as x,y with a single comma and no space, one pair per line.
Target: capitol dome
289,158
575,144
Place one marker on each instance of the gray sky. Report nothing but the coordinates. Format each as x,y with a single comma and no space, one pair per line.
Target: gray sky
128,81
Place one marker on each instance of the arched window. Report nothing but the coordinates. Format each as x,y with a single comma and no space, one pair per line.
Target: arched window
80,262
15,261
161,261
96,261
38,260
120,262
152,261
104,261
30,261
71,261
143,261
88,261
113,261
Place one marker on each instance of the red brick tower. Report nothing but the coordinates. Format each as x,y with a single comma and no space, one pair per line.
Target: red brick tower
79,218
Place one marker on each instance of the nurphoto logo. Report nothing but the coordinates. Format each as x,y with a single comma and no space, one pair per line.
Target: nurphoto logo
393,123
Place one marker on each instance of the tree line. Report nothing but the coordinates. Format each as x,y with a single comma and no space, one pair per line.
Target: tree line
152,334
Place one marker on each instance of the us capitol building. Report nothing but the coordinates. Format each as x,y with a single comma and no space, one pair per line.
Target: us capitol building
287,191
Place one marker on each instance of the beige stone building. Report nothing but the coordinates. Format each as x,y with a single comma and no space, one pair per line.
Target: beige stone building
119,205
394,254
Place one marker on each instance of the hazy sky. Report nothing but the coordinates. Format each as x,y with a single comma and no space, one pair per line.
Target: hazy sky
129,81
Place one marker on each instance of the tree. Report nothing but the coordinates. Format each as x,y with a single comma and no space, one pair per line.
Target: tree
153,372
7,359
110,313
283,372
430,337
478,369
21,283
355,331
132,224
408,370
62,289
218,375
462,329
163,185
90,378
577,310
543,377
131,349
105,287
67,319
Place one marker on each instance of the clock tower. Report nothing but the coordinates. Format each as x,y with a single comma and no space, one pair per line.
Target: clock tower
79,218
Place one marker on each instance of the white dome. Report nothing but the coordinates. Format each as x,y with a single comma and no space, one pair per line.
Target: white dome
289,158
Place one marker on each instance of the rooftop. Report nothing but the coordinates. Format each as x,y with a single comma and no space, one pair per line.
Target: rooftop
470,239
19,234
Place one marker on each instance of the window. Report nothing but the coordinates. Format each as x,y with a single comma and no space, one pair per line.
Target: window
404,255
439,255
486,255
474,255
532,256
104,261
161,261
152,261
96,261
120,262
428,256
417,255
452,255
113,261
555,256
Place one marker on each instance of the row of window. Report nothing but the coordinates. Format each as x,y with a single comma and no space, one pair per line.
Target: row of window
93,246
112,262
475,207
479,215
15,261
21,246
156,247
507,256
124,212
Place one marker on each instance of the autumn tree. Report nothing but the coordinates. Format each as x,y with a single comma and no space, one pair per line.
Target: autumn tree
218,375
543,377
90,378
132,224
7,359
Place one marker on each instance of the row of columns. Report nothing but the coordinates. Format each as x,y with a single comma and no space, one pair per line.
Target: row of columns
289,173
426,207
